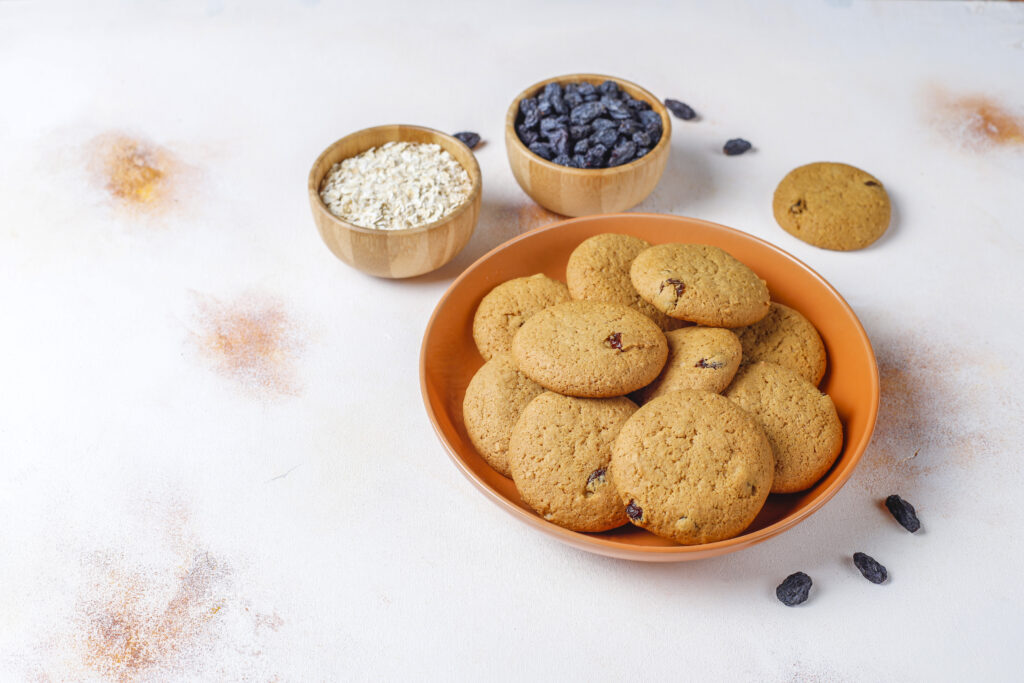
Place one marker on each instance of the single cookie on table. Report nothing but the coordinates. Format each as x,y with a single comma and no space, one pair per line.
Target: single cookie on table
559,455
598,270
800,421
832,206
703,358
506,307
786,338
692,467
495,398
700,283
590,349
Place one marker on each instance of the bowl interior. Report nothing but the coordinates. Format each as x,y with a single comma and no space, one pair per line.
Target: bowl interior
449,359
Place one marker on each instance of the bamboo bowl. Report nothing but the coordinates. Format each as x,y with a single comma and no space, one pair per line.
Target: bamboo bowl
586,191
395,253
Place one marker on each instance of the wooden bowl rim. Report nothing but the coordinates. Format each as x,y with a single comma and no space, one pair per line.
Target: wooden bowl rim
473,171
619,549
647,96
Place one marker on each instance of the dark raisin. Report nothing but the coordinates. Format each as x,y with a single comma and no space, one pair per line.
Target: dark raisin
605,136
471,140
710,364
595,156
640,151
872,183
618,111
559,141
650,116
544,106
641,139
586,89
634,511
609,88
680,109
528,136
593,97
585,113
903,512
580,132
602,123
629,126
622,153
870,568
553,91
794,590
614,341
579,161
736,146
596,479
572,99
563,160
679,286
551,124
799,207
638,105
543,150
581,147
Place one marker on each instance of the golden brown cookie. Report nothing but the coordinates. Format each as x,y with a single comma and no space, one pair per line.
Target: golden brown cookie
786,338
590,349
800,421
598,270
506,307
559,457
692,467
700,283
704,358
833,206
495,398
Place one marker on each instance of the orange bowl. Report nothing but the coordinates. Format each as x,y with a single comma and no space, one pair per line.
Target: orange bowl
448,360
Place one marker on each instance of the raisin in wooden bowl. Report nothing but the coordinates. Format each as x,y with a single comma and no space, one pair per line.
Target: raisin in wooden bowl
395,253
585,191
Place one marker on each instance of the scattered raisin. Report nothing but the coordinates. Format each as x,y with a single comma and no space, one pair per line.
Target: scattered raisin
614,341
679,286
634,511
794,590
903,512
872,183
870,568
468,138
736,146
711,364
680,109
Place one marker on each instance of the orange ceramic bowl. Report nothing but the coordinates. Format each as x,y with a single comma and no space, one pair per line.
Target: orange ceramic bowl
448,360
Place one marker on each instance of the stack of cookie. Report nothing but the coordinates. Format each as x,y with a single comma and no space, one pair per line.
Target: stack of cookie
660,387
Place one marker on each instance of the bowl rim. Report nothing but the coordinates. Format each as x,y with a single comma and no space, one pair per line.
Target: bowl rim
648,96
622,550
313,183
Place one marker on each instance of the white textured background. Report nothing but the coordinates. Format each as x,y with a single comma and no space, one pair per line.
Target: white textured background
288,515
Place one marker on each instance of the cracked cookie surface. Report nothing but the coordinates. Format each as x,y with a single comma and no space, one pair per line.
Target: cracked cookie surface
590,349
505,308
691,466
559,456
704,358
832,206
801,422
700,283
785,337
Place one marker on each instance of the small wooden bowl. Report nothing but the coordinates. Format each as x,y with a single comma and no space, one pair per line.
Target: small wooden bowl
586,191
395,253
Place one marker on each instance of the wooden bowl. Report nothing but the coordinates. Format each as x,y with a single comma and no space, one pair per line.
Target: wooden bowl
395,253
448,360
586,191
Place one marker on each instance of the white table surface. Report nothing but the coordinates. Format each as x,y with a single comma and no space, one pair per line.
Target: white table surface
174,514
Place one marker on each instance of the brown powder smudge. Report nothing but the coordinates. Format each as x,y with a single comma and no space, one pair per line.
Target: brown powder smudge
250,340
136,174
532,216
976,122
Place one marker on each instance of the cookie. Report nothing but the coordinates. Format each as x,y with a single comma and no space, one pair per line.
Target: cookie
506,307
700,283
559,456
786,338
598,270
800,421
832,206
495,398
703,358
692,467
590,349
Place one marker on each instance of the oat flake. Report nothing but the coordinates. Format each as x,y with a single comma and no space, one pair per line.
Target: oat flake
396,186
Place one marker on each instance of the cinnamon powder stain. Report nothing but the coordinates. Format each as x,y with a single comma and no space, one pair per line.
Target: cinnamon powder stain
976,122
136,174
250,340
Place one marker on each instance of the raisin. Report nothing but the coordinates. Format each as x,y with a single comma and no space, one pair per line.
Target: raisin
544,106
529,114
553,91
585,113
579,161
614,341
609,88
903,512
563,160
640,151
799,207
872,183
794,590
471,140
870,568
602,123
650,116
580,132
551,124
559,141
596,478
528,136
638,105
681,110
622,153
581,147
586,89
618,111
572,99
605,136
634,511
629,126
679,285
710,364
595,156
736,146
542,149
641,139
